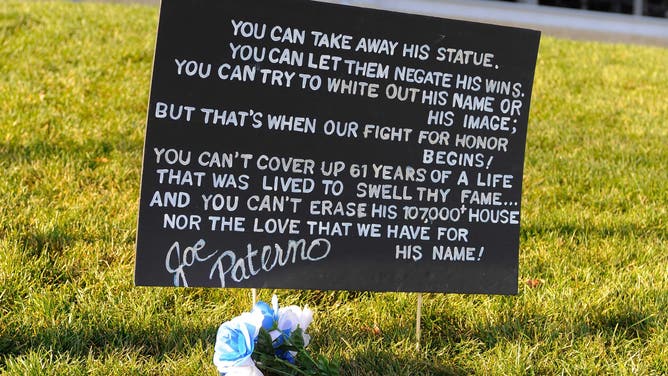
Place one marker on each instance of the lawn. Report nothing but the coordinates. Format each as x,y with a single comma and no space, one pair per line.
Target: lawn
593,297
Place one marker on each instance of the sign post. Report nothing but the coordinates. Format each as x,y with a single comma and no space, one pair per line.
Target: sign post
418,321
296,144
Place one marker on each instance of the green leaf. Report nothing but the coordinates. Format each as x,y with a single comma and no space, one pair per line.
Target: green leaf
263,343
297,338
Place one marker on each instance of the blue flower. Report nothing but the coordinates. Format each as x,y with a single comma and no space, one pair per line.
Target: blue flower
235,341
270,317
286,355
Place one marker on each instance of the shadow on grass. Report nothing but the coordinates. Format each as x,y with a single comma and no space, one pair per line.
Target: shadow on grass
160,339
49,241
580,232
155,341
377,362
14,22
158,343
66,149
390,350
632,324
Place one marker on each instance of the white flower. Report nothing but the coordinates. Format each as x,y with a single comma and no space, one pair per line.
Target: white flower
249,370
291,317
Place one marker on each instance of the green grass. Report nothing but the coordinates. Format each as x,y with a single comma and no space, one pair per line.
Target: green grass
74,82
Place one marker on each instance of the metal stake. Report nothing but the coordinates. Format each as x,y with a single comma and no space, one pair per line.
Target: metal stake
418,320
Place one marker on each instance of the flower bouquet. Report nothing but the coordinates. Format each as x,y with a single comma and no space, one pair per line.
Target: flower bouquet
269,339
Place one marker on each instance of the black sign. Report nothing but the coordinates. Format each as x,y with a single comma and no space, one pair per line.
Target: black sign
296,144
